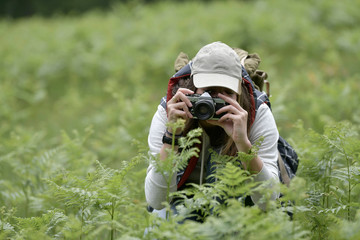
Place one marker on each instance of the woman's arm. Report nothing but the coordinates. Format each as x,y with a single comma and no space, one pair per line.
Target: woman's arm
155,184
265,127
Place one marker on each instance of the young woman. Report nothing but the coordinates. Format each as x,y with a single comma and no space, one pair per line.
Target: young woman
217,70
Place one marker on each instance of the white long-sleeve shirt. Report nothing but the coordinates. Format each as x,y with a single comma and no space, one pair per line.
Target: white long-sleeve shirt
263,126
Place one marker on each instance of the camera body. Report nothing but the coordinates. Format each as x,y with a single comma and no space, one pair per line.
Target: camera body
204,106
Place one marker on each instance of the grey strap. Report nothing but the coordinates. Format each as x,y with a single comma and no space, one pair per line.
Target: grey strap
284,175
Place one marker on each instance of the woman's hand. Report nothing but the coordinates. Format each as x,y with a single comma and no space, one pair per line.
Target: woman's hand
178,106
234,122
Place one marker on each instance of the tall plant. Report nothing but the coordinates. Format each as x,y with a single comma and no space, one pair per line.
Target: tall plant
330,164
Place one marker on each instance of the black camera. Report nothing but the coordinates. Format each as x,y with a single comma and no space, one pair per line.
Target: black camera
204,106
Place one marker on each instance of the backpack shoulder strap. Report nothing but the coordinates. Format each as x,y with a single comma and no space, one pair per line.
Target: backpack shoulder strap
283,174
163,102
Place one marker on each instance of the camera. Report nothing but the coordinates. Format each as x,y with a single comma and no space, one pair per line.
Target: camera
204,106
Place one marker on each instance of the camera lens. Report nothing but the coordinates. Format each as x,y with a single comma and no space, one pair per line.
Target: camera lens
204,110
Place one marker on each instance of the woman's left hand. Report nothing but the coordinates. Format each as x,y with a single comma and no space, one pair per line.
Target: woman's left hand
234,122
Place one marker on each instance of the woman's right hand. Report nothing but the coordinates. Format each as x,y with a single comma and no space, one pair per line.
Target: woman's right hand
178,106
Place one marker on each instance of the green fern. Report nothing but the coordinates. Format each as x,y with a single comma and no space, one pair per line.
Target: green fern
210,198
330,165
239,222
346,230
7,223
45,227
178,161
232,181
102,190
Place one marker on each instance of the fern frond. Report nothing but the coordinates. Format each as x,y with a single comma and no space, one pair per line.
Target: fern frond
233,182
178,161
47,222
239,222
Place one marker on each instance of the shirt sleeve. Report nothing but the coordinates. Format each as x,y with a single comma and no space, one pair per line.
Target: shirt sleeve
157,130
265,127
155,183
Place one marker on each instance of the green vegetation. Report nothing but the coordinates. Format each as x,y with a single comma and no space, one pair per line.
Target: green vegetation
77,96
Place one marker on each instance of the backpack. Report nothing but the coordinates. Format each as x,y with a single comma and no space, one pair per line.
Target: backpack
254,80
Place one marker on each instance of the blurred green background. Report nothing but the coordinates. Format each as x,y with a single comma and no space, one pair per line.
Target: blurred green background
96,74
108,69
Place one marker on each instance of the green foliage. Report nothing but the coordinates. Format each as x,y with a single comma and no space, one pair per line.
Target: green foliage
44,227
205,200
175,161
239,222
330,162
78,93
88,199
221,211
346,229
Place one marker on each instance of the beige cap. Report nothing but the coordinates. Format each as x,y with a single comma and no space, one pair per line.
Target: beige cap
217,65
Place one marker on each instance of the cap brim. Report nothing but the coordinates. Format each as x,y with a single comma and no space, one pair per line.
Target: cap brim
203,80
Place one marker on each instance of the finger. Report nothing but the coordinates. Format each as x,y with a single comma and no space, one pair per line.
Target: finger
179,106
185,108
176,113
226,118
185,99
229,100
234,118
186,91
215,122
229,109
180,96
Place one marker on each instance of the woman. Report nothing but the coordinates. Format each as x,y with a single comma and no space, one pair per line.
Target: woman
216,69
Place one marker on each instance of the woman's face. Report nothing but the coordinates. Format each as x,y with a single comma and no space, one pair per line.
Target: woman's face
214,91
